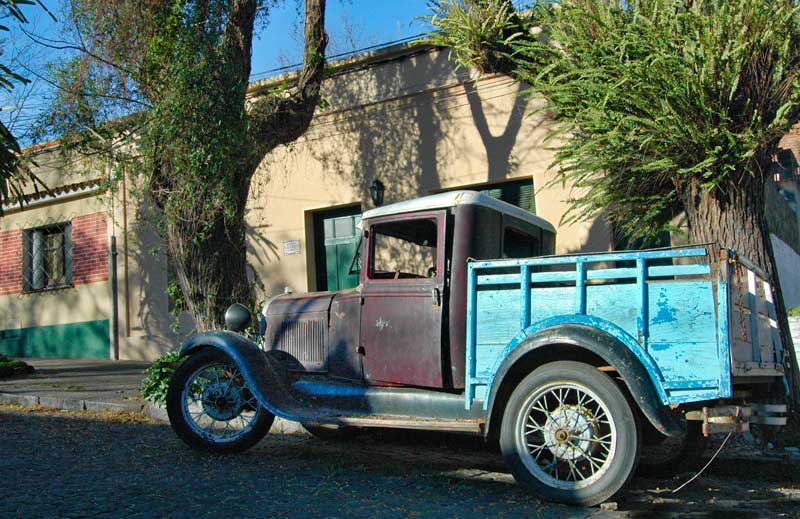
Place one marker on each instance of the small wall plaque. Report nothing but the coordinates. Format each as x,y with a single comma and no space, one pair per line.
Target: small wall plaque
291,247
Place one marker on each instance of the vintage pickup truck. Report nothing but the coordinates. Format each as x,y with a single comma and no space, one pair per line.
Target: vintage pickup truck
464,320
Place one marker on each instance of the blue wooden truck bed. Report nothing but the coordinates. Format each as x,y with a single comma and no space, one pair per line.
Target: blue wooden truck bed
664,305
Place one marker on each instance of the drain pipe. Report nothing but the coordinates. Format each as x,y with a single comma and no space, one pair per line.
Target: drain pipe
114,297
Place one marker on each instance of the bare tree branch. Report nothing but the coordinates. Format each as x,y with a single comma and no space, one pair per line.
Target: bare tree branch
279,120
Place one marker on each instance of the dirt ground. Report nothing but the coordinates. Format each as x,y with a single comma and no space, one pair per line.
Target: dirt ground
78,464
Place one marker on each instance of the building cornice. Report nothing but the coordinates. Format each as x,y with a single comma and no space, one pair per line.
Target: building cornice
334,67
56,194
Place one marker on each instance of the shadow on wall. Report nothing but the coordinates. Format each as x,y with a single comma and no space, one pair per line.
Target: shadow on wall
415,141
416,123
151,323
787,260
278,281
596,238
150,276
499,148
396,140
83,316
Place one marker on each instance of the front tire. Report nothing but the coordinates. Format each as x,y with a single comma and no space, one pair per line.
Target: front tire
569,435
211,408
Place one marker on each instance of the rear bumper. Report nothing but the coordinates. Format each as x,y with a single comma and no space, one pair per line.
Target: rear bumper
737,418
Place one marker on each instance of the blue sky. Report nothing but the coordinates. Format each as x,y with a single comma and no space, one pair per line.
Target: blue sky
351,25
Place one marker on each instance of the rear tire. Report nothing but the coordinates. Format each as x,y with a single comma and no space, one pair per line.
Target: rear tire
211,408
569,435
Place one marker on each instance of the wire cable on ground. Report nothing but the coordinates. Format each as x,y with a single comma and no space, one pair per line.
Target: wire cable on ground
707,464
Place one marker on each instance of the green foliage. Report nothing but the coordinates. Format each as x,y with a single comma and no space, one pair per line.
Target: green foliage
164,66
10,367
479,32
656,95
155,385
794,312
159,91
12,9
12,175
655,98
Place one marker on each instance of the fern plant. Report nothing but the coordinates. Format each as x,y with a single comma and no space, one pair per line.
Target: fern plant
478,32
155,386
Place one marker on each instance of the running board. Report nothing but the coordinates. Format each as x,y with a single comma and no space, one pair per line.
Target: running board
402,422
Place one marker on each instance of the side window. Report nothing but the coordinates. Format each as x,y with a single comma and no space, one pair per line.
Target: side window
519,245
47,257
404,250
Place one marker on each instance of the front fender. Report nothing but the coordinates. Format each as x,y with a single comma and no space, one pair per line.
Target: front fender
640,383
263,373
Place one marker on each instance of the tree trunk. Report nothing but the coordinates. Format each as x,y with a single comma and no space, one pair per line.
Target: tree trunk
735,217
212,271
731,217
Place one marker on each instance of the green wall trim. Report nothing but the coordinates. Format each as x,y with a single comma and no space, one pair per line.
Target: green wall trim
75,341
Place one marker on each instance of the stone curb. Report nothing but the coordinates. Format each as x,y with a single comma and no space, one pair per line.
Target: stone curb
66,404
280,426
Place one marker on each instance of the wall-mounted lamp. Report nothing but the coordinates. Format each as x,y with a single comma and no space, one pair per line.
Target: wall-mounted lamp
376,190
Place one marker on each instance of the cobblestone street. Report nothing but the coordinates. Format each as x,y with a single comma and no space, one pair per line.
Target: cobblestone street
63,464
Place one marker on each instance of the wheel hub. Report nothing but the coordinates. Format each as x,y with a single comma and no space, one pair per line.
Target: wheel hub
222,401
568,432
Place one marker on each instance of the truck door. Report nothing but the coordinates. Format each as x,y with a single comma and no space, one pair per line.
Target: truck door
403,290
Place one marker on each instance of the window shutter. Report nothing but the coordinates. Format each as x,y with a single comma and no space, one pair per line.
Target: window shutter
494,193
518,193
527,200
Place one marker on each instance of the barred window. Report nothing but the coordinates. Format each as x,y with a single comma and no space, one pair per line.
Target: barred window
47,261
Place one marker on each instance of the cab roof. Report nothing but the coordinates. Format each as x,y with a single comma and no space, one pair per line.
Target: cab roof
455,198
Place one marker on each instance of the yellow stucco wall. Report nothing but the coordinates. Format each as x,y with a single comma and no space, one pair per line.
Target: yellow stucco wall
411,120
144,320
420,126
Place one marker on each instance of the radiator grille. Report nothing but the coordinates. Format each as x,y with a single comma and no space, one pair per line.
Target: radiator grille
303,339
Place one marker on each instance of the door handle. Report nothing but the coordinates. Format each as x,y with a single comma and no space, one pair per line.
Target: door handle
436,294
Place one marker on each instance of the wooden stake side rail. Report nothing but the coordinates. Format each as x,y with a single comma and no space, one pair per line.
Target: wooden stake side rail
662,304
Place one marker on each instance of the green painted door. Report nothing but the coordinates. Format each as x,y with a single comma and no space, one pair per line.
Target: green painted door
337,240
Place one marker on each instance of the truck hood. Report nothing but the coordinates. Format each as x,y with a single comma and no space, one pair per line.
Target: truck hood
294,304
297,325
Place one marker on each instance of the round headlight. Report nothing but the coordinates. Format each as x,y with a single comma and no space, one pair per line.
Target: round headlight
237,317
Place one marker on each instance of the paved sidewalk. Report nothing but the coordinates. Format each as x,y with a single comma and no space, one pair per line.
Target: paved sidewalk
78,384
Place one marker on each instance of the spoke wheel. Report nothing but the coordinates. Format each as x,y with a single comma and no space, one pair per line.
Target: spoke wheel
211,407
569,434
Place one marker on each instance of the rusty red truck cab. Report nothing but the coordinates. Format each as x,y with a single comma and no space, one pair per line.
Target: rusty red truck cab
405,322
